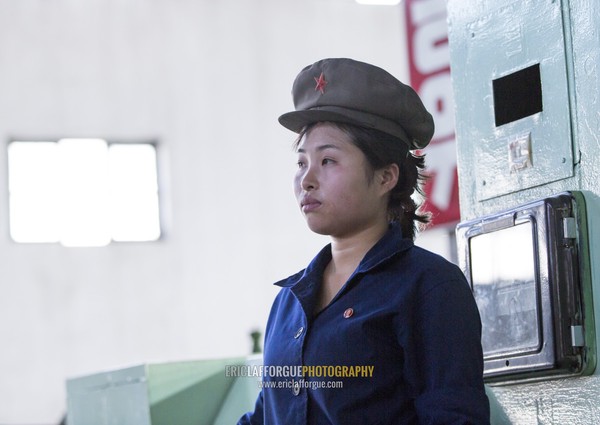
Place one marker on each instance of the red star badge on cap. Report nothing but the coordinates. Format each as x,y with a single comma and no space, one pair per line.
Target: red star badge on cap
321,83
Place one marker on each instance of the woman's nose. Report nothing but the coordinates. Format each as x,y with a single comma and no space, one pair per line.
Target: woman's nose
309,179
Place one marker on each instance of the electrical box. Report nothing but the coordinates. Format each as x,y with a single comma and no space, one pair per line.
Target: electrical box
529,269
512,94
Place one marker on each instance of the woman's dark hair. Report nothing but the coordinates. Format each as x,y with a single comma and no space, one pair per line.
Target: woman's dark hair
381,150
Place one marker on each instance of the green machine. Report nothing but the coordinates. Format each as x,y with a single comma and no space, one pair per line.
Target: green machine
179,393
527,95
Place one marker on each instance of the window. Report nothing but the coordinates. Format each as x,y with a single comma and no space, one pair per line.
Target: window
82,192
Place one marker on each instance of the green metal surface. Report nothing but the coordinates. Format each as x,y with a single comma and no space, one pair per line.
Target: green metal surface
189,393
489,39
178,393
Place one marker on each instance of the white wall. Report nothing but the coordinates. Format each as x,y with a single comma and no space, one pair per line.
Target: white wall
207,79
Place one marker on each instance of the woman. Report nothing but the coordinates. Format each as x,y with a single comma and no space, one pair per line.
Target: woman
383,332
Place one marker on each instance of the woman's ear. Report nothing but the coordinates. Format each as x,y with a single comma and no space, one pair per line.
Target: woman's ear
388,177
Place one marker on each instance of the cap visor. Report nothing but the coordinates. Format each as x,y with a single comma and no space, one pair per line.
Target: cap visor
297,120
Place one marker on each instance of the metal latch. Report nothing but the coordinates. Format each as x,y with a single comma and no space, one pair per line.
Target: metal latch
577,337
569,228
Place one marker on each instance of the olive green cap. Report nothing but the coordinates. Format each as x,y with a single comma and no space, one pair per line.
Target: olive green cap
353,92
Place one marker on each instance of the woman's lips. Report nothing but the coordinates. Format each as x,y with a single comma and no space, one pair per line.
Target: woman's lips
309,204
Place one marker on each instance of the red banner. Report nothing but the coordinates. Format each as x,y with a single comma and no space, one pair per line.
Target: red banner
429,61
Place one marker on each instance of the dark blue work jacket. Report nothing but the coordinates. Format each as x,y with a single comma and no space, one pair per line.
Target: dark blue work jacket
407,313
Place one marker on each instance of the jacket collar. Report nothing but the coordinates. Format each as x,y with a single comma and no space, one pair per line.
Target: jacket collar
389,245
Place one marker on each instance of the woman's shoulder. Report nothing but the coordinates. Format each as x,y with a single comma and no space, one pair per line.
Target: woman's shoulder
420,260
427,269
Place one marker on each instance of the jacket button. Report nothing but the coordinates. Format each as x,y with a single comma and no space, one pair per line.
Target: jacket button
348,313
299,332
296,388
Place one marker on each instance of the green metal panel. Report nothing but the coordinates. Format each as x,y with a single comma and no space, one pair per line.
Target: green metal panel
492,38
489,40
189,393
241,397
500,43
179,393
110,398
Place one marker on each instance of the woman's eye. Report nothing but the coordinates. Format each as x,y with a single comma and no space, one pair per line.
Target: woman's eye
327,161
300,164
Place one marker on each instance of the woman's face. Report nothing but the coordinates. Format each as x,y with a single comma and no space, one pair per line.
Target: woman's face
334,186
